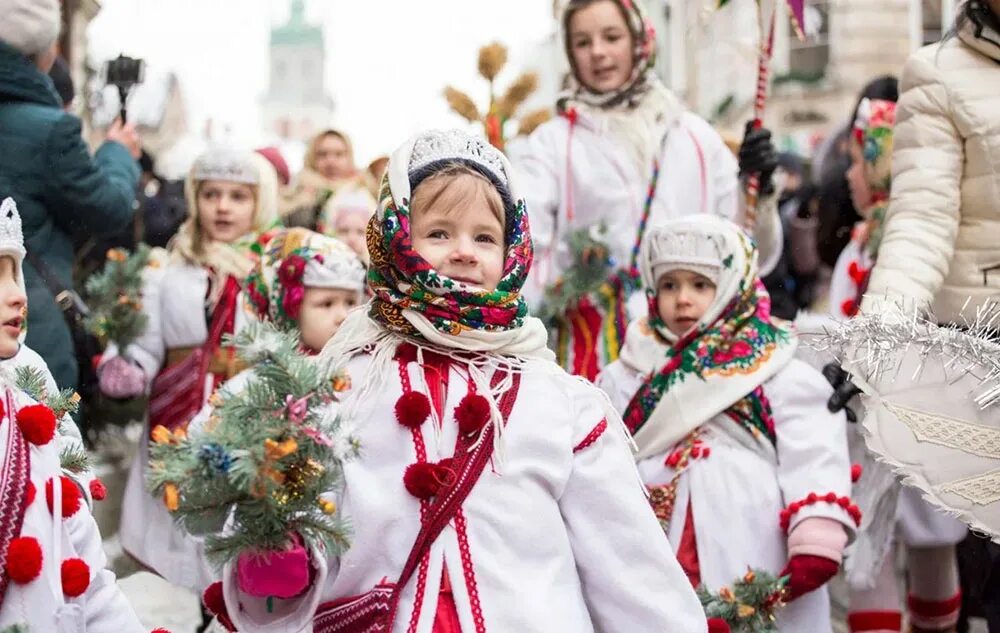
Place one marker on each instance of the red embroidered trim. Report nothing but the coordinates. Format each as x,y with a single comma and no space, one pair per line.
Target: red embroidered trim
861,621
593,436
421,449
813,498
934,608
469,573
15,477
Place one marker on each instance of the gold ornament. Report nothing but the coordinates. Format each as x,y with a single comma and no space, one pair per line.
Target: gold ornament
727,594
274,451
171,497
745,611
116,255
328,507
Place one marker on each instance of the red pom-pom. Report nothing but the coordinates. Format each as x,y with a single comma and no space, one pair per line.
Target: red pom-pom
413,409
849,307
216,605
38,424
423,480
831,497
75,577
472,413
29,494
70,496
98,490
812,498
856,471
718,625
844,502
24,559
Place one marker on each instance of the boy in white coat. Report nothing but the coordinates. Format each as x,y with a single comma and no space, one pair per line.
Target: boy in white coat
745,466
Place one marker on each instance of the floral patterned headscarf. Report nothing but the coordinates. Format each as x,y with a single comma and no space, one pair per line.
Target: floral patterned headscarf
873,131
292,260
643,60
720,364
402,280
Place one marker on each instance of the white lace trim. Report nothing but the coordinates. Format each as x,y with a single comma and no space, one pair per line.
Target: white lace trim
981,489
949,432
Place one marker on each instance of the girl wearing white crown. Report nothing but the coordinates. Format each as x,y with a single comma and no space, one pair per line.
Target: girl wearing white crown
52,575
466,513
625,155
191,303
745,466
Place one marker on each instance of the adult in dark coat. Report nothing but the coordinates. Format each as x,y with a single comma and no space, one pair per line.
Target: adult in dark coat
45,166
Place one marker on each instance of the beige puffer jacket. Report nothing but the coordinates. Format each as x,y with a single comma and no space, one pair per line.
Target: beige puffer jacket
942,233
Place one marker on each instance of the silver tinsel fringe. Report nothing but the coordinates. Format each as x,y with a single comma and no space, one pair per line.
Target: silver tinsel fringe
874,343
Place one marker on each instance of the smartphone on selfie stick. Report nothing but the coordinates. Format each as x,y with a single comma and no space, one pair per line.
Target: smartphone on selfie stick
124,73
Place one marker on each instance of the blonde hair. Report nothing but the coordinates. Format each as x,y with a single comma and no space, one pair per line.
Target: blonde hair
437,192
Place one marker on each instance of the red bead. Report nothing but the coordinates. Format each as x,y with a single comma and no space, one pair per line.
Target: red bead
812,498
24,559
29,494
856,471
98,490
38,424
422,480
844,502
70,496
831,497
673,459
413,409
795,506
706,451
75,577
472,414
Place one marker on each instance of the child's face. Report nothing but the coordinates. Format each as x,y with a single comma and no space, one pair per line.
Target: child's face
350,227
322,312
333,158
466,243
602,47
225,210
857,179
12,303
682,298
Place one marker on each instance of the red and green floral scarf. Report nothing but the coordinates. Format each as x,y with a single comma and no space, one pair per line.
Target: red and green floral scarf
721,365
401,279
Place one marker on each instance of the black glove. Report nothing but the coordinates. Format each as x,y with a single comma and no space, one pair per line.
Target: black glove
843,391
758,156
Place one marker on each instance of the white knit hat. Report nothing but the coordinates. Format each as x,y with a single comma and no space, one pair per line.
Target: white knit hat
227,163
12,238
692,248
29,26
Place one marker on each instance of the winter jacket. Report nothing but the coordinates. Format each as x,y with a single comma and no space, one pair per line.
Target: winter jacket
940,243
60,191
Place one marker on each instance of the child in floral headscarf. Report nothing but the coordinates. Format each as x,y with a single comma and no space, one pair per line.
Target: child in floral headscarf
930,536
744,465
870,180
488,480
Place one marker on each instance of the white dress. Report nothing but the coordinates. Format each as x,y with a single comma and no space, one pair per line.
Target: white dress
557,536
738,492
174,302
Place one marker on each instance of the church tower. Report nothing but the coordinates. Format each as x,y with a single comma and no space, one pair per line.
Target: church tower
297,104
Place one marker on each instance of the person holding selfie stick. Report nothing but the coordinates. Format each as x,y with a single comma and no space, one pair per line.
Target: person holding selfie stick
60,188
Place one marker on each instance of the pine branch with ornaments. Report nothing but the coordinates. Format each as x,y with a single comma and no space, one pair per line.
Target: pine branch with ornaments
115,296
749,606
269,460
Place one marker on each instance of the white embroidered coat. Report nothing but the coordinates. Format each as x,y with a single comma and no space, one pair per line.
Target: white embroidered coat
558,538
174,302
40,604
738,492
590,171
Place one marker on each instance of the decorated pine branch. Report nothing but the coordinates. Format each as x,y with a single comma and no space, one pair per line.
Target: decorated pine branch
269,459
750,605
592,264
501,108
115,297
31,381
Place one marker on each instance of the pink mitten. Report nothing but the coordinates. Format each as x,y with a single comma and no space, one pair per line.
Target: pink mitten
120,378
279,574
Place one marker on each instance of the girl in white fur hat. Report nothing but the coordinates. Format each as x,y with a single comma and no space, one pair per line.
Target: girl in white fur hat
745,466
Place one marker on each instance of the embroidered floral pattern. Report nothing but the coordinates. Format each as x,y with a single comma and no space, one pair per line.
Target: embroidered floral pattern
403,280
